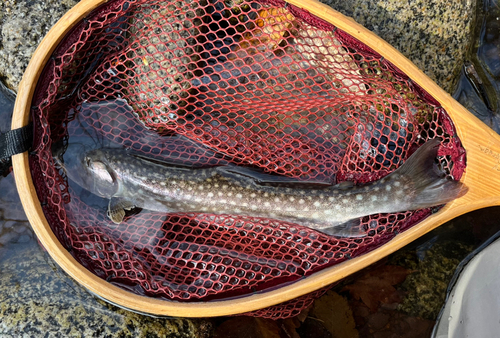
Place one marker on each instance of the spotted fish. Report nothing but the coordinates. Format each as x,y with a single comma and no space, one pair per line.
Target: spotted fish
131,181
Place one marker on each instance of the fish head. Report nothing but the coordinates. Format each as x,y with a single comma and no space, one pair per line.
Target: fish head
98,176
91,170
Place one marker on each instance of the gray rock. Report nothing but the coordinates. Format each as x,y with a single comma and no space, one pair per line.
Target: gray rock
38,299
23,24
433,34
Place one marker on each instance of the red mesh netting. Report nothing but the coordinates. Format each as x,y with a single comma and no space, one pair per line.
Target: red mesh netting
252,83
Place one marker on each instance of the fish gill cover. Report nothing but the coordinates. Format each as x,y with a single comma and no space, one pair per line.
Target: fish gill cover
204,83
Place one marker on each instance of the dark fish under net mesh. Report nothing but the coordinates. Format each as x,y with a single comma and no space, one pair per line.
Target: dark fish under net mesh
262,84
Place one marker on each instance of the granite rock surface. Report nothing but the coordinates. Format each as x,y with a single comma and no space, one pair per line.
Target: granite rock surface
434,34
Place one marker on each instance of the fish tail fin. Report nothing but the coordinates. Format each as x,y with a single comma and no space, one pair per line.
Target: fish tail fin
430,185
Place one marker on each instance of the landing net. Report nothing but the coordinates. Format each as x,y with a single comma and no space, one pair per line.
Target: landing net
262,84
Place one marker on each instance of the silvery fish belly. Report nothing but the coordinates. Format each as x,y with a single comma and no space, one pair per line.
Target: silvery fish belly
131,181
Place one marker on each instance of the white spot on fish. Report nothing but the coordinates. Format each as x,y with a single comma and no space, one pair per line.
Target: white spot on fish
239,195
210,194
267,204
292,199
359,197
200,187
373,198
397,184
276,199
388,188
301,201
252,195
317,204
331,199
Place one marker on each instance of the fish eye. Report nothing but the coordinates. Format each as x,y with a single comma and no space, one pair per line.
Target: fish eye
88,161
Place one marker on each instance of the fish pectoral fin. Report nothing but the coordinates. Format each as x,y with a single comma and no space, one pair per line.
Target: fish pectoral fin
351,228
117,207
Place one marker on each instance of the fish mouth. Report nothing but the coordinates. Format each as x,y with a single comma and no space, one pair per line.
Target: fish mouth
71,160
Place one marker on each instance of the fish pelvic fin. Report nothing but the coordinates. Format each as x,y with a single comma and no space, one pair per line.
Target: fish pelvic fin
116,209
428,184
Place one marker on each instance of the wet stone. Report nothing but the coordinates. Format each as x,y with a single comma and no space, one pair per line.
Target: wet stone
426,286
38,299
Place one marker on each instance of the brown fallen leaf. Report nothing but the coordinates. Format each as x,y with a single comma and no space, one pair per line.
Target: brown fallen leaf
335,314
377,286
289,326
248,327
271,28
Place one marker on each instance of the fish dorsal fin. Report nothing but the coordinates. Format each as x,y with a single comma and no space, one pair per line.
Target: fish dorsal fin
256,177
117,207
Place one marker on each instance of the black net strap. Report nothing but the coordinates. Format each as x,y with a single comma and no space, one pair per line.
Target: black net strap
14,142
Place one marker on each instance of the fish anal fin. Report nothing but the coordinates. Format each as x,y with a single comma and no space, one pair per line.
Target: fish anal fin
117,207
351,228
